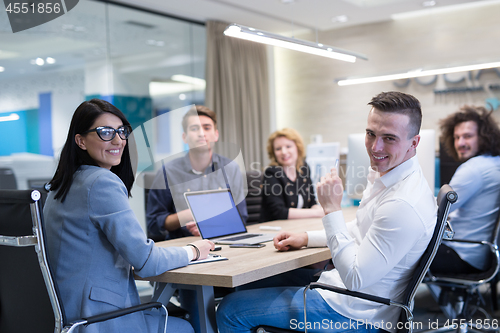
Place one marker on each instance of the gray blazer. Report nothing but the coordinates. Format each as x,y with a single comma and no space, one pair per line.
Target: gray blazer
93,240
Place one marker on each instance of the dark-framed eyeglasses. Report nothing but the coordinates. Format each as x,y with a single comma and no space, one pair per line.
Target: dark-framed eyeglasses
107,133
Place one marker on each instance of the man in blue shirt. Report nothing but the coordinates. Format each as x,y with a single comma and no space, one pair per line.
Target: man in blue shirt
168,215
471,136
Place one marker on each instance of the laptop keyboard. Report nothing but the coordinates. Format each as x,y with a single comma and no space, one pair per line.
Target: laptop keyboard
245,236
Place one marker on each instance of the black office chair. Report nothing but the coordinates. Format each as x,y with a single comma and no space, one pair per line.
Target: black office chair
494,291
465,300
147,182
148,178
41,185
7,179
446,197
29,299
254,197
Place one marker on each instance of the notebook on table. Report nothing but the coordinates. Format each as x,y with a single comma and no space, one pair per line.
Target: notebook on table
219,220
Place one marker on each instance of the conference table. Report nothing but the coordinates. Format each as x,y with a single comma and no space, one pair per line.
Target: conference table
244,265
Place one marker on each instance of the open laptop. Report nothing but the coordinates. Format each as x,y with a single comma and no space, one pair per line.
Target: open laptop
219,220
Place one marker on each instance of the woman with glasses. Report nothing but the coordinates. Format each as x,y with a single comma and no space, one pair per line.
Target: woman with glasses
93,237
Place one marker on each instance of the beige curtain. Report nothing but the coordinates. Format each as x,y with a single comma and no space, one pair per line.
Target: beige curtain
238,91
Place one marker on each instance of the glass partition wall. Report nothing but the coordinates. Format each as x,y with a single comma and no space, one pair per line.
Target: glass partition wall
146,64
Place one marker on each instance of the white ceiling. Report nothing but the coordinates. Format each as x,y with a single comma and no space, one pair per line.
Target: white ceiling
138,42
292,16
81,36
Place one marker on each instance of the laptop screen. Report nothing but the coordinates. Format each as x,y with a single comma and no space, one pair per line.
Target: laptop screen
215,213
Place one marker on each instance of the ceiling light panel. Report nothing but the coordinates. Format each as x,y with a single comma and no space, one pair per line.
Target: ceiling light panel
264,37
416,73
340,18
373,3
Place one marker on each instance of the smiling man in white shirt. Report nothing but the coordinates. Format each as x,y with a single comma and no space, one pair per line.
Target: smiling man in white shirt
376,253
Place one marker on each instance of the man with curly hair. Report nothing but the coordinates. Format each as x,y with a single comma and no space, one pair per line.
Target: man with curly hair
471,136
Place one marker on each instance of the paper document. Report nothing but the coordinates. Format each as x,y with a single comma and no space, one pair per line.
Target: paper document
211,257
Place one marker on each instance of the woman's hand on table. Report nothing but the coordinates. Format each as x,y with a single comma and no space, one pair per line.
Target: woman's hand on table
204,246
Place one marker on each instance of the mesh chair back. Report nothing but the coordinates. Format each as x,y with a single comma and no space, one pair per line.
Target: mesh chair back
480,277
148,184
148,179
254,197
495,259
25,304
445,198
7,179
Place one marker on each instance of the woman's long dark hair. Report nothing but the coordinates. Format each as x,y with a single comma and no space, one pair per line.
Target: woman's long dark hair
72,156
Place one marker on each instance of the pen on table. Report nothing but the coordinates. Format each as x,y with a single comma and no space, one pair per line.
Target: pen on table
268,227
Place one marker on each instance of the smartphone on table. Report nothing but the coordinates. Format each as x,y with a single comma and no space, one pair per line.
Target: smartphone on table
247,245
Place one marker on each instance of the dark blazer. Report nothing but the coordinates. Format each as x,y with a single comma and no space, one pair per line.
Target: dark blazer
279,193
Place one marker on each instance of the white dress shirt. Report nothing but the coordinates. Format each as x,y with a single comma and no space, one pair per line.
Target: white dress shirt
378,251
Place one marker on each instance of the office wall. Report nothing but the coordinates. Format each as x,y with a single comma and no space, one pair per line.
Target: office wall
52,97
97,49
309,100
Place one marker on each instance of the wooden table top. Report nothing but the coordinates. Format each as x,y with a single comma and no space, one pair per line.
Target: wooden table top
246,265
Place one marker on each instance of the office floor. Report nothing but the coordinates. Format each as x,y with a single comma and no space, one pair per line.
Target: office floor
427,311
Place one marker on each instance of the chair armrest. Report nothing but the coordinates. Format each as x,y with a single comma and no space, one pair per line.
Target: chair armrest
468,241
72,327
449,233
122,312
492,246
357,294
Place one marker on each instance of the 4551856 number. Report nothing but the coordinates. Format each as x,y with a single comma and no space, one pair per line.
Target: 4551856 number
30,7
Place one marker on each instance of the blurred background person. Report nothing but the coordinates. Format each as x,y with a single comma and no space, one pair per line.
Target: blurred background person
287,189
471,136
168,215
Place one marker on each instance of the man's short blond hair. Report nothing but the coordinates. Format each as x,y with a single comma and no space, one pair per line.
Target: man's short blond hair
199,110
